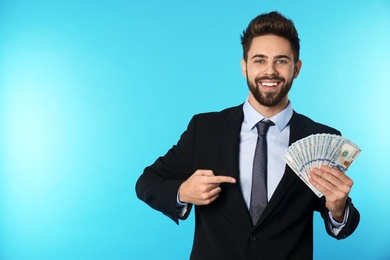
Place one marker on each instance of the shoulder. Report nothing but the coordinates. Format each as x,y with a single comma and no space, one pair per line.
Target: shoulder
311,126
217,121
230,113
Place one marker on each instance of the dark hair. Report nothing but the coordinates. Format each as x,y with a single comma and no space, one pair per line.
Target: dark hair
271,23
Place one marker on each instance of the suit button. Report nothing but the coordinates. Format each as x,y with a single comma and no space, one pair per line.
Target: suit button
252,238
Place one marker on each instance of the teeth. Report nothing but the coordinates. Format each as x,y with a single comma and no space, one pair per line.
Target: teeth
269,84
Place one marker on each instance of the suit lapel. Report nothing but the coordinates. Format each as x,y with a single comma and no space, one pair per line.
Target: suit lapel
289,177
235,208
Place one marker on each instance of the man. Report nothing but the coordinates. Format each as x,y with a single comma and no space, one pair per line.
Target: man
211,165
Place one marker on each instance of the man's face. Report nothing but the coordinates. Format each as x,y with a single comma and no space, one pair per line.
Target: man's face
270,70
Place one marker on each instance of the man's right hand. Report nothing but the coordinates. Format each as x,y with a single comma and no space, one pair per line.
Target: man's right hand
203,187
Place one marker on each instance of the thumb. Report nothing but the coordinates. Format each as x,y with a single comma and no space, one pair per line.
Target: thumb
208,173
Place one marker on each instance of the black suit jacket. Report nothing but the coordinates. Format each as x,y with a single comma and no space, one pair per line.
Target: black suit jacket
223,229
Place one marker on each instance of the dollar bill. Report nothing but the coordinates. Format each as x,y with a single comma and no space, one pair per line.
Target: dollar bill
320,149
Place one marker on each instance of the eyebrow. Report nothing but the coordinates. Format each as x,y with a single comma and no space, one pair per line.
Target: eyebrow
265,56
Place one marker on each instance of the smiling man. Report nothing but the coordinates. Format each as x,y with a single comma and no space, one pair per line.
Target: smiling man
228,165
270,69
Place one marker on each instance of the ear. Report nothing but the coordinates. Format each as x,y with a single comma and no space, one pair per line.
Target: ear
243,67
297,68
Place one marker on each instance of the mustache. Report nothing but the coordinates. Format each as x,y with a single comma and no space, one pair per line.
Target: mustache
269,78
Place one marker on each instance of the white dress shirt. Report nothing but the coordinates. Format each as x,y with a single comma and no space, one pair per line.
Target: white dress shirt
277,138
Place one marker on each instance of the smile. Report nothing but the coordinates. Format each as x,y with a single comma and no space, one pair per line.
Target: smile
269,84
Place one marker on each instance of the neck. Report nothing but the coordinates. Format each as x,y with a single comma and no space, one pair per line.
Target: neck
268,111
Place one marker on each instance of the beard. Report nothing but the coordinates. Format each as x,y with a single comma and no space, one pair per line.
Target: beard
269,99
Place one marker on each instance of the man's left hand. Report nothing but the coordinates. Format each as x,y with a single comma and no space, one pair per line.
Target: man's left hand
335,186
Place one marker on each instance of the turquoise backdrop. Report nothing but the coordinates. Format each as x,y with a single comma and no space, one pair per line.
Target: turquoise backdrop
91,92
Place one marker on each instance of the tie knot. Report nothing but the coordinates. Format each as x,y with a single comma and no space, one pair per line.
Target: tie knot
262,127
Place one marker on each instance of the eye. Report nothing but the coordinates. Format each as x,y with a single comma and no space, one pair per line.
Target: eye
281,62
261,61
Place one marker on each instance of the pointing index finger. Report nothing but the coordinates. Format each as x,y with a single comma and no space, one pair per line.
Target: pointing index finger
222,179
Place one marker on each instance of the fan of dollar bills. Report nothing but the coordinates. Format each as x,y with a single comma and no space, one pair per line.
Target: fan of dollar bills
317,150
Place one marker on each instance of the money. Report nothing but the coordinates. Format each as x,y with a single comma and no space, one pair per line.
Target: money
320,149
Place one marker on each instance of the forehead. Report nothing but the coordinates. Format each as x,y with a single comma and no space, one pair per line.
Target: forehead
270,45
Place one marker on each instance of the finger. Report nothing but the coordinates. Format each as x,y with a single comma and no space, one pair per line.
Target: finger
324,180
207,201
335,176
214,192
333,172
221,179
320,183
323,177
208,173
208,197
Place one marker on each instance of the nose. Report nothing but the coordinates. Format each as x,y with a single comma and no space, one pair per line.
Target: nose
270,69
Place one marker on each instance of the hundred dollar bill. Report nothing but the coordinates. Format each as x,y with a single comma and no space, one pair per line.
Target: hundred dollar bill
346,154
291,163
320,149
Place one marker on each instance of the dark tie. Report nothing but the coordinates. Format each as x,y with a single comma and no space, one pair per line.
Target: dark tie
259,175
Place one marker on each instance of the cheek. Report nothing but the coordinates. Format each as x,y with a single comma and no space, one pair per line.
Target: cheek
289,74
250,73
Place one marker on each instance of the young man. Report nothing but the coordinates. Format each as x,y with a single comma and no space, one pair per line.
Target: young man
211,165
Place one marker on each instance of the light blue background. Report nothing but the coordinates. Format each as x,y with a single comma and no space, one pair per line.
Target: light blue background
91,92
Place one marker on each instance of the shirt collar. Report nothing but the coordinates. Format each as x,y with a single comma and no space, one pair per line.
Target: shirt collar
252,117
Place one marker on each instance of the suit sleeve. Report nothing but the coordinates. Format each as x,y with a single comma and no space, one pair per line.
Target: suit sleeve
159,183
351,222
353,217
